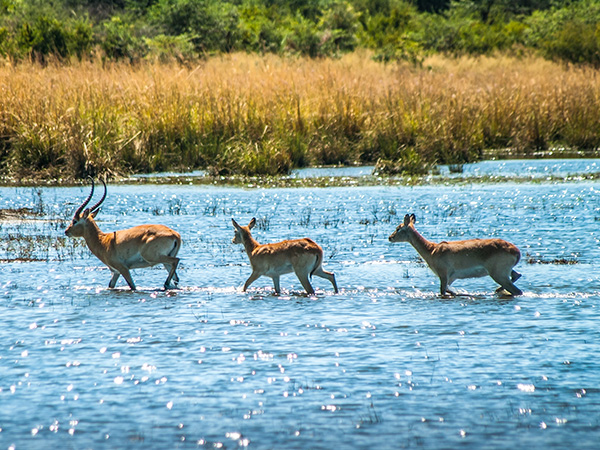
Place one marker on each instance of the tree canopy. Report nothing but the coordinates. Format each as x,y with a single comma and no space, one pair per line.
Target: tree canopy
184,30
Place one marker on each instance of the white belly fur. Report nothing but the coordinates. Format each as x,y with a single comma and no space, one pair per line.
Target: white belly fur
137,262
471,272
281,270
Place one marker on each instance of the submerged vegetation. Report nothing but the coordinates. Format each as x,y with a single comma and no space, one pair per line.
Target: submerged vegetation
264,115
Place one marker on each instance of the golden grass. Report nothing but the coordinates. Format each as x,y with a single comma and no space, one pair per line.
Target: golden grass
265,114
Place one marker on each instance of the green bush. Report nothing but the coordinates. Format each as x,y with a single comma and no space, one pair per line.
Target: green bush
303,37
407,161
394,29
45,36
340,25
575,42
212,26
570,34
164,48
259,29
119,41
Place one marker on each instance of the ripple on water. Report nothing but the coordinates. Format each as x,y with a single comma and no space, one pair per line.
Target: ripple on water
385,360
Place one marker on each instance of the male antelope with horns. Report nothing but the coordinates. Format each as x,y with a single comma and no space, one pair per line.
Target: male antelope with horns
301,256
471,258
133,248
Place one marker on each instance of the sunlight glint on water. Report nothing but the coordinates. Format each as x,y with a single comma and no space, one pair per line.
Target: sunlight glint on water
384,364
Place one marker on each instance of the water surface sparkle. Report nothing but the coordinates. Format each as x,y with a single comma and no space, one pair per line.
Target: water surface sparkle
386,363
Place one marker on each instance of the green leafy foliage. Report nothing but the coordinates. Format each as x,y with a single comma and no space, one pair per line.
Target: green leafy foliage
565,30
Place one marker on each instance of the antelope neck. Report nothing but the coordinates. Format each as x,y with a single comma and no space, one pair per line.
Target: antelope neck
249,243
423,246
96,240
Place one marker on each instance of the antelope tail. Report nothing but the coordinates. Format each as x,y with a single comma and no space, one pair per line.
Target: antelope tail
175,248
318,263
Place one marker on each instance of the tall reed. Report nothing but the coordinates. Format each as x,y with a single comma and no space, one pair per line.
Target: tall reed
252,114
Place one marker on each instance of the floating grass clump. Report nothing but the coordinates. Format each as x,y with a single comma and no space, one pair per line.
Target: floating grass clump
36,233
265,115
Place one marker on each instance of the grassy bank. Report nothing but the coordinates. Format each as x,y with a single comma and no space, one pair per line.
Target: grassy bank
251,115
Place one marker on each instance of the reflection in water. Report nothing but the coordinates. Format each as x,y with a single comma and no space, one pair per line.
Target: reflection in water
384,363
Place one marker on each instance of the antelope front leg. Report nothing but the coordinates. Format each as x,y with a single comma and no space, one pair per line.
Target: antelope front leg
251,279
445,289
125,272
276,284
130,282
113,280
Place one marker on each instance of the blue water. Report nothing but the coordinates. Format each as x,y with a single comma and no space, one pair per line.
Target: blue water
535,169
530,168
386,363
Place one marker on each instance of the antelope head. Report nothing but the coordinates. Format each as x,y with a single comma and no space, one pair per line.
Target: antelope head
404,230
241,232
83,216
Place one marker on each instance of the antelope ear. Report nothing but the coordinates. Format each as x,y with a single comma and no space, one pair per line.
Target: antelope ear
235,224
406,219
252,223
85,214
413,219
93,214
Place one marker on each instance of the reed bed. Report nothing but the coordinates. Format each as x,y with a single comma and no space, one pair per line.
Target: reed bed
252,115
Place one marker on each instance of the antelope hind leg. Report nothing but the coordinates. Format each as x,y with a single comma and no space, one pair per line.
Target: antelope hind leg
303,277
328,276
171,267
507,285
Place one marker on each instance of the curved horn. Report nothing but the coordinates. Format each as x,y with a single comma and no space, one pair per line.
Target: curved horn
97,205
87,200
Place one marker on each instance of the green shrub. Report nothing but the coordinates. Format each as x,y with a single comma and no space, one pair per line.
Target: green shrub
303,37
576,42
81,39
392,32
119,41
407,161
339,25
246,158
165,49
43,37
259,29
570,34
212,26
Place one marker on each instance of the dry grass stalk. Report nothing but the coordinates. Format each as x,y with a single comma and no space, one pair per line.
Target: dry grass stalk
249,114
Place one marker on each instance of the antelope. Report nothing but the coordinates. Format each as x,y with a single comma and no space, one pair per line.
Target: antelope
471,258
122,250
301,256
